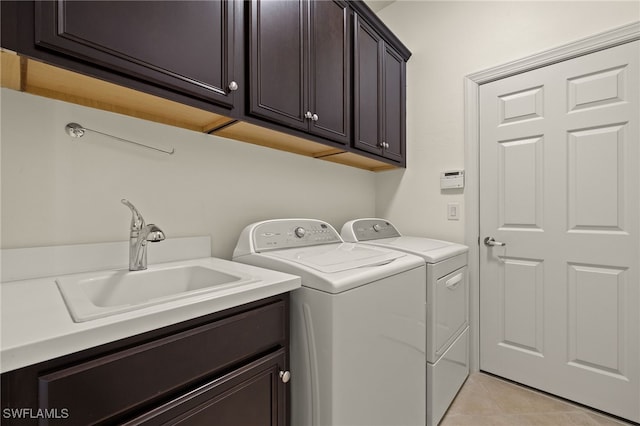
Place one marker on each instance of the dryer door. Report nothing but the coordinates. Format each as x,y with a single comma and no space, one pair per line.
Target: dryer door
450,309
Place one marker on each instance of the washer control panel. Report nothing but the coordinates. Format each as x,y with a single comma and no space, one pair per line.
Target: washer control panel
291,233
373,229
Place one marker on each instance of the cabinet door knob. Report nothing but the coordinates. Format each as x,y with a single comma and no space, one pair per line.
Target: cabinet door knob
233,86
308,114
285,376
314,117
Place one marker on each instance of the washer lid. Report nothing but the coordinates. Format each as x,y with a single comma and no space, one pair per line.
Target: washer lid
332,258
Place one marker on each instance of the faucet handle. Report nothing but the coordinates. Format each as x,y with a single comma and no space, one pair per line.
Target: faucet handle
137,221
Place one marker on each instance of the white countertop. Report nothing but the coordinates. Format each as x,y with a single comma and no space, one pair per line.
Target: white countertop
36,325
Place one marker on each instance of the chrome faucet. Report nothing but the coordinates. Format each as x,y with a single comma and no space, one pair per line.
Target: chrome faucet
138,237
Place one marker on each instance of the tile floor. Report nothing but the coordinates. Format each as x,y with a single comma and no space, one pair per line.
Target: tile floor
485,400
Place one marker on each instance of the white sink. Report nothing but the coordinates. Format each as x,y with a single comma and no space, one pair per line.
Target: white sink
99,294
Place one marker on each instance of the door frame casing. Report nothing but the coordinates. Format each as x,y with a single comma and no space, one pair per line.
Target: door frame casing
472,82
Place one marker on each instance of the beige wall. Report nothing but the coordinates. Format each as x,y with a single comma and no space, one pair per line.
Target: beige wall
451,39
57,190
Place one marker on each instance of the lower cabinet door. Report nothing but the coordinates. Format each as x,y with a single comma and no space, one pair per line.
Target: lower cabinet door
251,395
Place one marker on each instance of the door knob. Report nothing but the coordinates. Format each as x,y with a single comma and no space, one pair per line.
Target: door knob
233,86
308,114
314,117
490,242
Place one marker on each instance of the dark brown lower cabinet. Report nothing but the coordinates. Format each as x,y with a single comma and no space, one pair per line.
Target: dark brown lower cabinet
223,369
249,396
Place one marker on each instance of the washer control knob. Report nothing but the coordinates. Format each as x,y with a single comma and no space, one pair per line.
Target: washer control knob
300,232
377,227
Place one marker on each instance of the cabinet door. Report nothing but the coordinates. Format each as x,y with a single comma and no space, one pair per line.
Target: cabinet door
367,88
184,45
277,61
394,105
330,70
379,95
251,395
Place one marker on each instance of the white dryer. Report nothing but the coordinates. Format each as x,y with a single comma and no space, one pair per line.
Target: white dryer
447,316
357,324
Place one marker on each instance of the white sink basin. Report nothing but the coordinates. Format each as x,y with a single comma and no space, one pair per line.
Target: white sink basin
94,295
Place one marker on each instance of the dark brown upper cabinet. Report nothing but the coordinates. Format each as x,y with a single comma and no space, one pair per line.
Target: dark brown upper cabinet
379,94
300,65
323,78
186,46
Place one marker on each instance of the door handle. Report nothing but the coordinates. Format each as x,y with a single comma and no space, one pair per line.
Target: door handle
454,282
490,242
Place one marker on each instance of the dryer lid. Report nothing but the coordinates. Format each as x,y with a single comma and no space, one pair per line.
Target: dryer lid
432,251
382,233
415,244
333,258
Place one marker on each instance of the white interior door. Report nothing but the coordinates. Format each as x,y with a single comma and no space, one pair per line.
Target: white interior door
559,185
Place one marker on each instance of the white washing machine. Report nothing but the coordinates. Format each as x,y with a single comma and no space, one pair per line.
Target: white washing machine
447,315
357,324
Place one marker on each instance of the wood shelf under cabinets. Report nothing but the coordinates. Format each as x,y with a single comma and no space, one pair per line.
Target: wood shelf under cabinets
30,76
27,75
251,133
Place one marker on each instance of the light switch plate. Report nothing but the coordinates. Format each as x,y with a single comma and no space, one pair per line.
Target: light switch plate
453,211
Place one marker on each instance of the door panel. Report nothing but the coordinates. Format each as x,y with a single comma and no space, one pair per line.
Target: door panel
596,318
520,305
559,162
520,164
596,194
